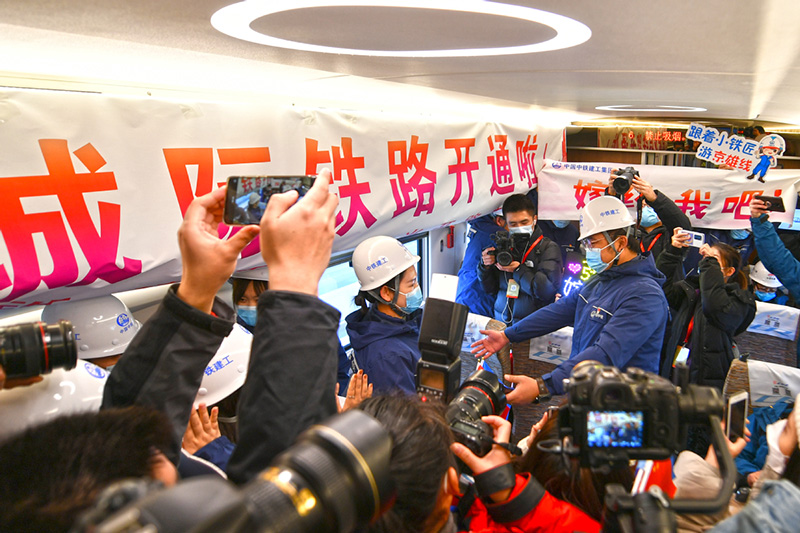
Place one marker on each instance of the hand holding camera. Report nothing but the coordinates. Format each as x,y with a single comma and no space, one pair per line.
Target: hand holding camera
497,456
644,188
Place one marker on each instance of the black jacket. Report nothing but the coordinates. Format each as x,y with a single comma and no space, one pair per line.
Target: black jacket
539,278
671,217
720,310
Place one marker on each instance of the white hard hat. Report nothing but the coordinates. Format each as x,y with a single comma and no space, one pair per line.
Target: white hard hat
59,393
773,141
379,259
761,275
226,372
604,213
254,198
257,274
103,326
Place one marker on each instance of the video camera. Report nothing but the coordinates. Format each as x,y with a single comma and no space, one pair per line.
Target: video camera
624,180
613,417
33,349
509,247
335,478
439,373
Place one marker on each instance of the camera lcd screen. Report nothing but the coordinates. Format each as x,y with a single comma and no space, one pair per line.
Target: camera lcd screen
432,379
615,429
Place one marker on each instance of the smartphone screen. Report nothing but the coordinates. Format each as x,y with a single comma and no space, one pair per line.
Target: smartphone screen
737,414
615,429
247,196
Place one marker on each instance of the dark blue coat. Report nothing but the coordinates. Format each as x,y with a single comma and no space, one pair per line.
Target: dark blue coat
618,318
386,348
470,292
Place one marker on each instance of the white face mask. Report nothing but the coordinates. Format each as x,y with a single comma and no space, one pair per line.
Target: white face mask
522,229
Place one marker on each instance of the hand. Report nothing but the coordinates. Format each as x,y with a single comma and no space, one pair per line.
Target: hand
536,428
680,239
486,257
208,261
645,189
202,428
357,391
296,236
512,266
758,208
526,389
497,456
611,179
705,250
752,477
735,448
492,343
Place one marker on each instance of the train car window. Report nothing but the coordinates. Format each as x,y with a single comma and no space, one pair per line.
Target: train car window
339,284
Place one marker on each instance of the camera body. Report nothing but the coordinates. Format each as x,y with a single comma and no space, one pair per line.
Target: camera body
36,348
624,180
509,247
440,337
614,416
480,395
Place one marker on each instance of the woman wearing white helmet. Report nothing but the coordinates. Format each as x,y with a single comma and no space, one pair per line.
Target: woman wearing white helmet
384,333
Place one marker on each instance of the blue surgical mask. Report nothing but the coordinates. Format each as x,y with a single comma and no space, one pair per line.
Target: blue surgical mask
413,300
561,223
765,296
595,262
739,234
247,313
522,229
649,217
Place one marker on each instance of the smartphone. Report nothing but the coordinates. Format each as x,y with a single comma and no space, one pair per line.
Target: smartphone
698,239
774,203
247,196
736,416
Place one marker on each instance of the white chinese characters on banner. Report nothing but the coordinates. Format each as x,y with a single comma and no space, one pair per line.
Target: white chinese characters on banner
711,198
94,187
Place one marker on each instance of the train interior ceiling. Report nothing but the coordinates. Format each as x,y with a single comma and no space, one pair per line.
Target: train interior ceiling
624,71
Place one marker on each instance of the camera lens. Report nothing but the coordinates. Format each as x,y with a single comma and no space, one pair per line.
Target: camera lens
480,395
28,350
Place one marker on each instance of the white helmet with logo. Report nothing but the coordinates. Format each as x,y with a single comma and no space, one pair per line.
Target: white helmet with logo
761,275
379,259
59,393
226,372
773,141
103,326
604,214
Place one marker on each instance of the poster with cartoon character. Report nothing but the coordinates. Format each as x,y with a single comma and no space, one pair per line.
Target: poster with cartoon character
769,149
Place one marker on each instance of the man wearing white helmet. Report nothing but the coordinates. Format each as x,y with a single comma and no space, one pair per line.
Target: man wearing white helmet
766,285
103,327
618,316
384,333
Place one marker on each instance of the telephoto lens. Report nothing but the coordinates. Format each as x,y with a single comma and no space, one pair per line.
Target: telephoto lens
33,349
480,395
624,180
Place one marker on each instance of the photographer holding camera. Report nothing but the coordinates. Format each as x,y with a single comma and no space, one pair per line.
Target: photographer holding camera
618,317
523,270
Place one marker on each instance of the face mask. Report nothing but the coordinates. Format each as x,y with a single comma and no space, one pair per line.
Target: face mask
649,217
247,313
413,300
521,229
561,223
595,262
739,234
765,296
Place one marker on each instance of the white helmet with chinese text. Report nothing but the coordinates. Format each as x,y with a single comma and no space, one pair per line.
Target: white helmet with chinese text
773,141
602,215
760,274
103,326
226,372
378,260
61,392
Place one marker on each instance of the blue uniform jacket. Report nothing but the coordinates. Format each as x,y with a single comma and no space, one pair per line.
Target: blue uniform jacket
470,292
386,348
618,317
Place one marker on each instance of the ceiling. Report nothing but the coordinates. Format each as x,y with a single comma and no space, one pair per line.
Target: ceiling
737,59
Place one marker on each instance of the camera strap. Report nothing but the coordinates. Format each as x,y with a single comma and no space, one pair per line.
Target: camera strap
530,249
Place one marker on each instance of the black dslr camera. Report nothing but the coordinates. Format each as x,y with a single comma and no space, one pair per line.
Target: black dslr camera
613,417
509,247
33,349
624,180
480,395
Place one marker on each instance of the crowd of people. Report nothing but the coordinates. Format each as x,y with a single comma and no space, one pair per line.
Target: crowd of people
204,388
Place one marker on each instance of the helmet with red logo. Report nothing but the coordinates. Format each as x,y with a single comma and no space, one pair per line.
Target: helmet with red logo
380,259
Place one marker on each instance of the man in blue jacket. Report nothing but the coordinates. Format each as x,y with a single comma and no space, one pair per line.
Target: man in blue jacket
618,316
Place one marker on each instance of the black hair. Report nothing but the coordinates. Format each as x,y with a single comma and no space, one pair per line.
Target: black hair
420,459
363,297
240,287
518,202
51,473
633,242
732,258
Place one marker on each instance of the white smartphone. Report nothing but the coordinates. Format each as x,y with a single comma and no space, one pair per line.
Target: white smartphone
697,240
736,417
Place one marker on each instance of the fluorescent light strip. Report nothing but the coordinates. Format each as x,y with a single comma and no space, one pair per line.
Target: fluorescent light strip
234,20
664,108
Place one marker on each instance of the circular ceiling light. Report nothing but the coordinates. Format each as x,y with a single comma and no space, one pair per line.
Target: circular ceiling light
235,20
658,108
